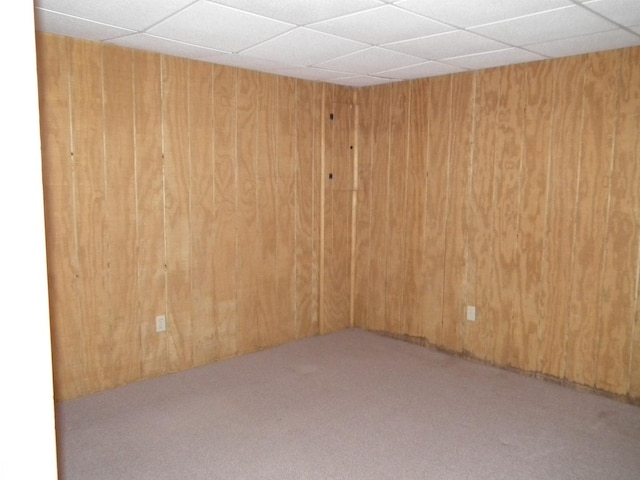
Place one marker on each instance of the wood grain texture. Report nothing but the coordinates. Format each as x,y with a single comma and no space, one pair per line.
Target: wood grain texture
201,212
529,303
480,336
199,191
620,269
306,226
338,211
598,129
173,187
528,215
456,233
151,285
380,108
121,215
225,191
395,271
508,161
90,209
437,197
177,184
69,370
286,201
362,249
564,167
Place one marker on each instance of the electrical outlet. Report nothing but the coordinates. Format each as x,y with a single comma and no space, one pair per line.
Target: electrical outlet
161,323
471,313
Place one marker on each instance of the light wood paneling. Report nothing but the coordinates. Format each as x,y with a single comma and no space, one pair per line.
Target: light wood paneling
70,370
460,140
151,288
519,201
119,147
225,191
177,209
395,271
199,191
436,201
379,165
307,231
181,188
338,210
596,148
202,214
90,208
529,303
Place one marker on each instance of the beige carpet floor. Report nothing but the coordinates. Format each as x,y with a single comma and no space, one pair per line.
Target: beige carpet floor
350,405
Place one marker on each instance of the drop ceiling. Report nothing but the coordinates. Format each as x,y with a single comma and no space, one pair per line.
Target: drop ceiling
351,42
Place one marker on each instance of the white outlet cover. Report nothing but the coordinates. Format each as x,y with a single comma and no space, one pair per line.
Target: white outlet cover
161,323
471,313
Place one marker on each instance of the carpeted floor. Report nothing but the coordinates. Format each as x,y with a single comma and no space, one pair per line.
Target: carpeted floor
350,405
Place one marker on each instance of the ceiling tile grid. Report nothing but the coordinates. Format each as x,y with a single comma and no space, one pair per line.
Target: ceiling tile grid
351,42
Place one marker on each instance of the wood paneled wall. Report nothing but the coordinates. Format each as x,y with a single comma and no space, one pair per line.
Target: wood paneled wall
516,190
202,192
181,188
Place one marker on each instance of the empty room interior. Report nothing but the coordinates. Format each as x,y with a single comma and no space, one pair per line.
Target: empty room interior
345,239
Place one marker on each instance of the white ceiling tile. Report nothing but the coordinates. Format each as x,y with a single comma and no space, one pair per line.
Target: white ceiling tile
362,81
412,38
385,24
301,12
545,27
246,62
60,24
143,41
494,59
219,27
371,60
310,73
624,12
585,44
130,14
445,45
427,69
466,13
303,46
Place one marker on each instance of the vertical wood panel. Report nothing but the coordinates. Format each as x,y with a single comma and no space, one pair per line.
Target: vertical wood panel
478,336
151,259
338,214
364,199
379,183
564,167
417,277
436,204
267,209
508,159
286,201
70,372
619,281
177,175
202,225
89,168
121,212
598,131
530,311
400,98
460,141
168,175
225,211
306,219
247,259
